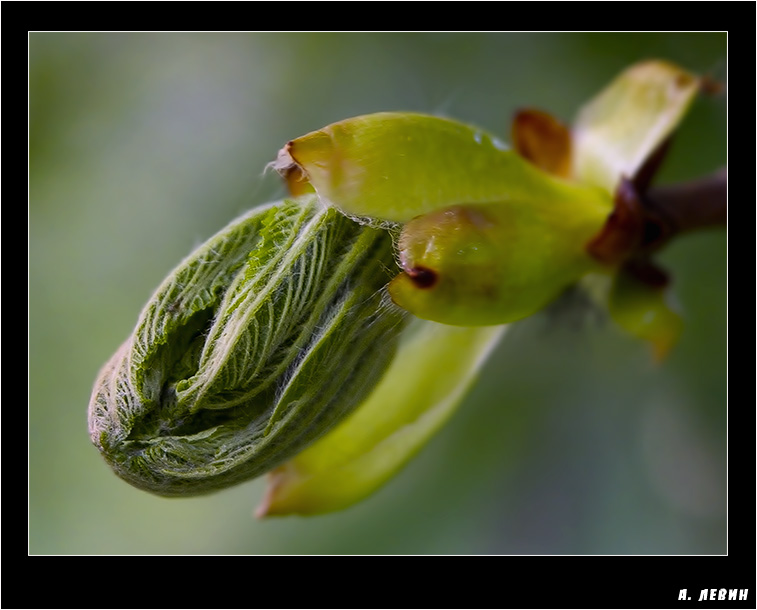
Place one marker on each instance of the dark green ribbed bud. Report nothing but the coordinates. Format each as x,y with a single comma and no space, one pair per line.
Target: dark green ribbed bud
254,347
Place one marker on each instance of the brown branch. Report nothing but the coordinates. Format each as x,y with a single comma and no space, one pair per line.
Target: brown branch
688,206
643,222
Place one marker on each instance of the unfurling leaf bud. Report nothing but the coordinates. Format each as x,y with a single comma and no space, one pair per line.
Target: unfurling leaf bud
254,347
488,239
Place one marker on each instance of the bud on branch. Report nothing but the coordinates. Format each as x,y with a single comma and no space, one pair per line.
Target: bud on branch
279,327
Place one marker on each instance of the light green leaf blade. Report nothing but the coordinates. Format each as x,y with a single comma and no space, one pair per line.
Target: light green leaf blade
394,166
618,130
489,264
643,311
432,369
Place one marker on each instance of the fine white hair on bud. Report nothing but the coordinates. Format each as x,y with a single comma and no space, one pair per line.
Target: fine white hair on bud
254,347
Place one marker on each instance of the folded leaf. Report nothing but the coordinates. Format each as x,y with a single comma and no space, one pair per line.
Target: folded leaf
617,131
431,371
486,264
395,166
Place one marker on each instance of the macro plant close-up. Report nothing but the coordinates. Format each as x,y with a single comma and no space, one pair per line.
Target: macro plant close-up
425,335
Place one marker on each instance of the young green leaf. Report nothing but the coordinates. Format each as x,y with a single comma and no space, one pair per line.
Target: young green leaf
488,238
488,264
642,309
410,403
395,166
619,129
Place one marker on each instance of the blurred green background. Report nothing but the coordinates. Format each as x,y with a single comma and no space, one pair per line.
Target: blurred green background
144,145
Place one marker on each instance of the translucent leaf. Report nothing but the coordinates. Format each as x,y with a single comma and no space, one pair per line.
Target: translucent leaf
430,373
617,131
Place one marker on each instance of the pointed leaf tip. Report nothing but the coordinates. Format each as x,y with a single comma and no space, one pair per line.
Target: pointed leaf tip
616,132
411,402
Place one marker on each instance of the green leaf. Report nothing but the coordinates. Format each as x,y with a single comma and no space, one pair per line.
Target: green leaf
619,129
642,309
488,239
487,264
395,166
429,375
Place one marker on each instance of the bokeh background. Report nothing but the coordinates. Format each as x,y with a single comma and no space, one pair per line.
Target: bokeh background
573,442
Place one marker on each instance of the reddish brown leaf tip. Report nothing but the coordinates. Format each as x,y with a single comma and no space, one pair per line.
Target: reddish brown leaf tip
422,277
541,139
